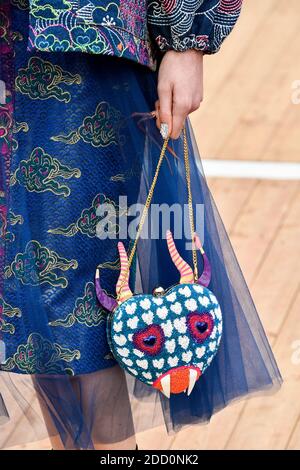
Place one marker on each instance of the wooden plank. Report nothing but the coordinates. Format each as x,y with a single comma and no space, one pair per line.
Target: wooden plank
259,221
284,144
278,277
259,125
267,422
226,105
212,436
294,442
220,67
230,196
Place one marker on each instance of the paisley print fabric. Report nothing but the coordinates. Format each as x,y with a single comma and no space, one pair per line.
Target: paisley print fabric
134,29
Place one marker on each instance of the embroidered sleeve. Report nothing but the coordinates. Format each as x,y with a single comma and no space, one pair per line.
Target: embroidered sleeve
191,24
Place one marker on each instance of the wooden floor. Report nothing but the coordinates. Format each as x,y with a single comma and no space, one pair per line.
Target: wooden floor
248,114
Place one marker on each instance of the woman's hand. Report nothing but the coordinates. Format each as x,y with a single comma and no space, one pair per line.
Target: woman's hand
180,89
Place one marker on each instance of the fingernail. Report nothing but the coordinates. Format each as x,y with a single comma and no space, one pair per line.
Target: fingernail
164,130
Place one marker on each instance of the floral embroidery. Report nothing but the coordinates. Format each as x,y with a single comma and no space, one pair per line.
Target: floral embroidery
99,130
89,223
37,265
87,310
40,172
89,12
117,28
131,28
9,311
40,356
192,24
41,80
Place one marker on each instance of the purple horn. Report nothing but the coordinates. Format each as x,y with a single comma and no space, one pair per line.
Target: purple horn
105,300
205,277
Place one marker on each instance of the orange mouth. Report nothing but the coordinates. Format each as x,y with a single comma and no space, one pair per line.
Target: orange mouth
178,380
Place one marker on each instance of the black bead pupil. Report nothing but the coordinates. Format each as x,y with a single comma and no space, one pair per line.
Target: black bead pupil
149,341
201,326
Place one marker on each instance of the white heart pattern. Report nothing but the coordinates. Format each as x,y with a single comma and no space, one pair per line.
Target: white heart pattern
145,304
130,308
204,300
171,297
124,352
148,318
120,340
158,301
198,288
170,345
200,352
176,308
173,361
143,363
191,305
134,372
180,325
158,363
147,375
128,362
186,291
138,353
168,328
118,326
187,356
184,341
162,312
212,345
132,322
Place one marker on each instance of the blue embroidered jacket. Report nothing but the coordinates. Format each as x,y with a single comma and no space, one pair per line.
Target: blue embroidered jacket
135,29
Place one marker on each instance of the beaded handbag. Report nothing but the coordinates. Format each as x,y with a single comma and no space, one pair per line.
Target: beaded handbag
169,338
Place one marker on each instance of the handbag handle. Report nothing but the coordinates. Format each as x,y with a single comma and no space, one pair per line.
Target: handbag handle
148,203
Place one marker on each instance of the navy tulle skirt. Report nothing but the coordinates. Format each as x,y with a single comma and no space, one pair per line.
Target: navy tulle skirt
76,132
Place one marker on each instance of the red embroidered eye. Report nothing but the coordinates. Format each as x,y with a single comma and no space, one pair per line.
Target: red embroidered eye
150,340
200,325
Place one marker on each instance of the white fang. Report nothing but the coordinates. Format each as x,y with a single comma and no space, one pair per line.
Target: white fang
166,385
192,381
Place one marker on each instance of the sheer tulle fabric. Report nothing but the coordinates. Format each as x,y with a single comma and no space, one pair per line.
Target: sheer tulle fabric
99,404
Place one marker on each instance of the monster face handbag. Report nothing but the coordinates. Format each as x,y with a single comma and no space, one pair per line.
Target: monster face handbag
167,339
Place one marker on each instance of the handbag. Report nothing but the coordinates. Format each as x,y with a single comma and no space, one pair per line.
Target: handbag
166,339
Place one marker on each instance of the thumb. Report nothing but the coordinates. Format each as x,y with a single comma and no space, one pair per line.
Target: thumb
165,96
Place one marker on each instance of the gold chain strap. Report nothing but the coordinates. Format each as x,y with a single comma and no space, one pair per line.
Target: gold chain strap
190,198
148,203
